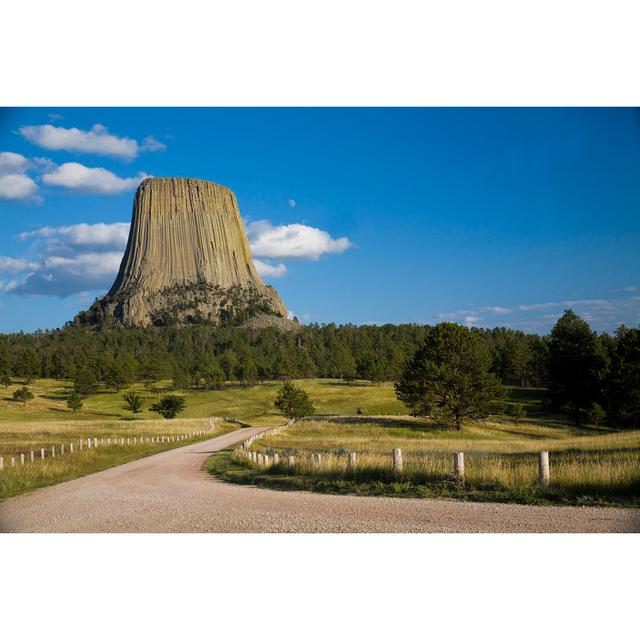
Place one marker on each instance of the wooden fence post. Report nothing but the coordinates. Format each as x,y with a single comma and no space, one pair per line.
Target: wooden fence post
292,461
71,447
397,460
266,460
22,458
42,453
13,462
62,449
458,464
276,458
80,444
32,456
53,452
88,443
353,458
543,468
317,459
1,463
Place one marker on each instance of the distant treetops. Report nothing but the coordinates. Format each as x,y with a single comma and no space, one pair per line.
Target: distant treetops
444,370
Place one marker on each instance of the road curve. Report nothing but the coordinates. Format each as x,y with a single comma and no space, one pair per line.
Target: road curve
169,492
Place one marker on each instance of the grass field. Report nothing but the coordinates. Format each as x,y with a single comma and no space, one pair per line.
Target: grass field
254,404
47,421
24,437
588,466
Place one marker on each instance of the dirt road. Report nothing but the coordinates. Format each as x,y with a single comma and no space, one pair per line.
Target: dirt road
169,492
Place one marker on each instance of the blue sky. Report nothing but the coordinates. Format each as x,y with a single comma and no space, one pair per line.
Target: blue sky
488,217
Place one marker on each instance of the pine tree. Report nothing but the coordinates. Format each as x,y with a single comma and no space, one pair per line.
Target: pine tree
293,401
576,365
450,375
23,395
169,406
133,401
74,402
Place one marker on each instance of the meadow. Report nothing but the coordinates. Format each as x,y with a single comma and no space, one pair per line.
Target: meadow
46,421
588,466
254,404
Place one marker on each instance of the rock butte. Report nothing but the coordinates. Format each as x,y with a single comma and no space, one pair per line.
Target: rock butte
187,261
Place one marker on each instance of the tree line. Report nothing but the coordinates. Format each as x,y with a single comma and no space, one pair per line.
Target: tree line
206,356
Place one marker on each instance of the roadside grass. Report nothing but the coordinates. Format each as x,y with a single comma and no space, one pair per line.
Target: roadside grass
600,468
23,437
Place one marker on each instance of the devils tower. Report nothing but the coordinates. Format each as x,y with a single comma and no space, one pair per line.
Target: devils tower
187,261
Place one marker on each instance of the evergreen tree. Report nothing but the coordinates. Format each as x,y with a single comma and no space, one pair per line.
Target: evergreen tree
169,406
85,383
74,402
248,372
518,411
180,379
133,401
576,365
28,365
293,401
622,386
213,375
23,395
452,370
5,379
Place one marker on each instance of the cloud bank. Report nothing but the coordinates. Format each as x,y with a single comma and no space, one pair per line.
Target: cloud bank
66,260
539,317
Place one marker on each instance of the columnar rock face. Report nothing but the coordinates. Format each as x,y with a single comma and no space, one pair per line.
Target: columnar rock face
187,261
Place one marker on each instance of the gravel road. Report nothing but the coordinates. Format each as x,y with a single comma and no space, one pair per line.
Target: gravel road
169,492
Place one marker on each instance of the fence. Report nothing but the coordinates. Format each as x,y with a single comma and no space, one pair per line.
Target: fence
245,444
395,459
86,444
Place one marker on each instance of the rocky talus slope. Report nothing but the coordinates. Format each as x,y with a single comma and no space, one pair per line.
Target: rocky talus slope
187,261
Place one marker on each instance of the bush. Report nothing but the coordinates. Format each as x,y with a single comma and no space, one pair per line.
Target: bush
22,395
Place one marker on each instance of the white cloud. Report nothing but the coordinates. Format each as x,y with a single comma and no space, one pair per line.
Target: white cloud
602,315
15,265
12,163
102,235
18,186
292,241
66,260
268,270
291,203
78,177
630,288
151,144
499,310
96,140
54,117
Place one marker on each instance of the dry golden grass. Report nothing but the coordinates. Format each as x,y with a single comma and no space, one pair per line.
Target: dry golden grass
499,456
26,437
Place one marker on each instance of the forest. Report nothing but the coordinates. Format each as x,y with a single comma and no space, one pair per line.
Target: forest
603,369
